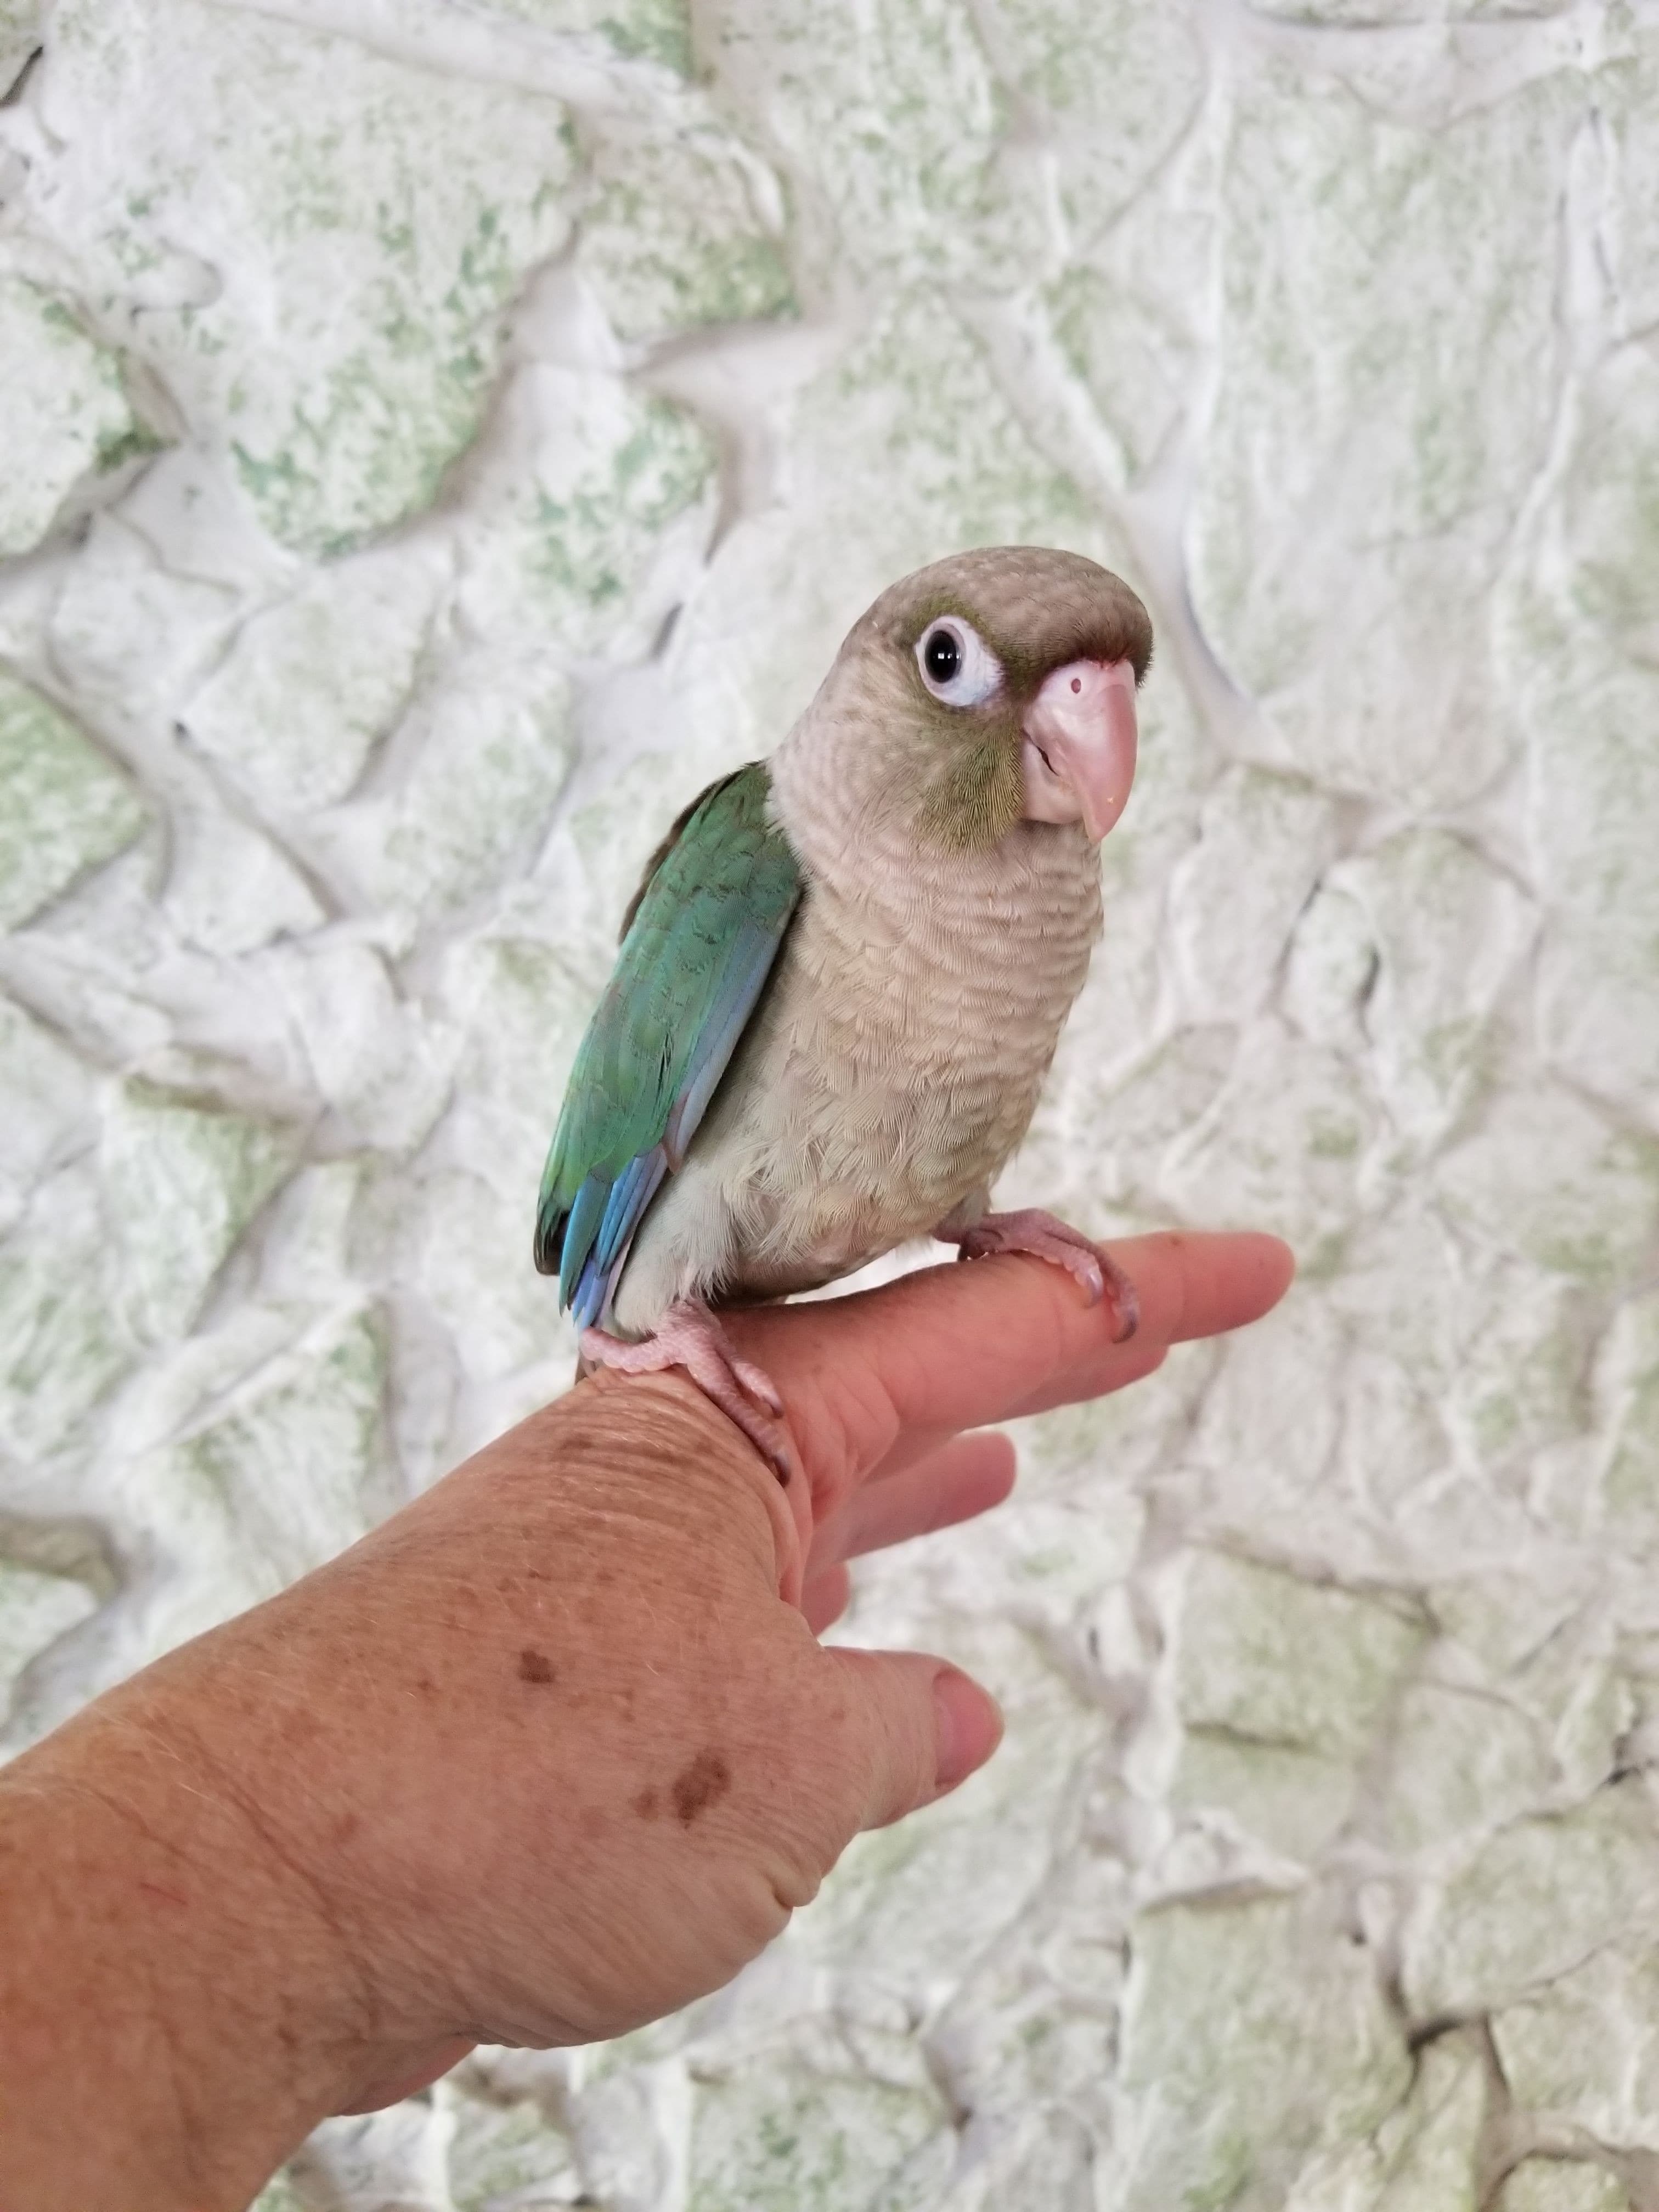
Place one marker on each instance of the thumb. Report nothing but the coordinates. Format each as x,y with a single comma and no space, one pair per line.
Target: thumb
926,1726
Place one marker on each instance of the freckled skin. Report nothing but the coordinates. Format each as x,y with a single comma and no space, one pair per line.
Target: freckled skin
534,1666
703,1784
486,1895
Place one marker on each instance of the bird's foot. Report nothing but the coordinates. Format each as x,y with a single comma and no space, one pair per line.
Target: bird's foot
1050,1238
689,1336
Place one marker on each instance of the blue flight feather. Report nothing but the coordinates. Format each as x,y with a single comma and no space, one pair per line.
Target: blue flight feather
592,1287
749,964
624,1209
585,1216
701,941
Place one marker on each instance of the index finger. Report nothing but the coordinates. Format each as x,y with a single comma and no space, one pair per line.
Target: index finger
869,1376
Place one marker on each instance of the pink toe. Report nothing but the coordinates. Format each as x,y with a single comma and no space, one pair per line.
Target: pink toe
759,1385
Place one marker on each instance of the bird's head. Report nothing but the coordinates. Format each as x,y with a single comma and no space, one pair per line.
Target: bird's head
997,686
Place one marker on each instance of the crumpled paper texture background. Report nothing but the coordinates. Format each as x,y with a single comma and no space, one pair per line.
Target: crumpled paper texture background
436,438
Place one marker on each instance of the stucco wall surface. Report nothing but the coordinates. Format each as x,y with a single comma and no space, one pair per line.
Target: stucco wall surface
435,438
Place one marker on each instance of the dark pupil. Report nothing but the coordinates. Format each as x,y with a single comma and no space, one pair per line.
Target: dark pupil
943,655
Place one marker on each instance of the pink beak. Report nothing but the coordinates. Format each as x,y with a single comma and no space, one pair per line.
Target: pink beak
1079,757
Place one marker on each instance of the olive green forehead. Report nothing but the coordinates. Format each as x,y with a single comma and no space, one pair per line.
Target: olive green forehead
1026,660
1034,622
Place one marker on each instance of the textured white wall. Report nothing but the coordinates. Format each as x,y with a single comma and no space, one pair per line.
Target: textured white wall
436,438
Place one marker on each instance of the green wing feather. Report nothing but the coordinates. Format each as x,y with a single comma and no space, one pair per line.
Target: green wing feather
699,944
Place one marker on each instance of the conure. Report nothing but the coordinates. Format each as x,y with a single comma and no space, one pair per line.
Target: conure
844,975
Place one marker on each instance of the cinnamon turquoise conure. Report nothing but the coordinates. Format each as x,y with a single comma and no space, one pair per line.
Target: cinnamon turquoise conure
843,978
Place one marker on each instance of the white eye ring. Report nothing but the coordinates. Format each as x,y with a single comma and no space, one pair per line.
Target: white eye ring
977,673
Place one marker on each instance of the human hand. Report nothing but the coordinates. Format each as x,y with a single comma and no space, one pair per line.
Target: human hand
551,1753
878,1397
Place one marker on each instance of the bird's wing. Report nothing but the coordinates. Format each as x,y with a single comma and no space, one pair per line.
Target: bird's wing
698,945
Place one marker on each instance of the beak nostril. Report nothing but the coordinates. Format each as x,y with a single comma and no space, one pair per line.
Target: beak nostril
1078,752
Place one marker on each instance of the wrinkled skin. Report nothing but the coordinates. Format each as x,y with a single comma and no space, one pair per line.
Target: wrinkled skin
547,1755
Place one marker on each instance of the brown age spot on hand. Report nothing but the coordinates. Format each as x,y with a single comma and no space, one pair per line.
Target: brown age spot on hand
534,1666
703,1784
646,1804
296,1728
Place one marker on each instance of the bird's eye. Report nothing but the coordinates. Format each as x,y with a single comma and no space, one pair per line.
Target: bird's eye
957,665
